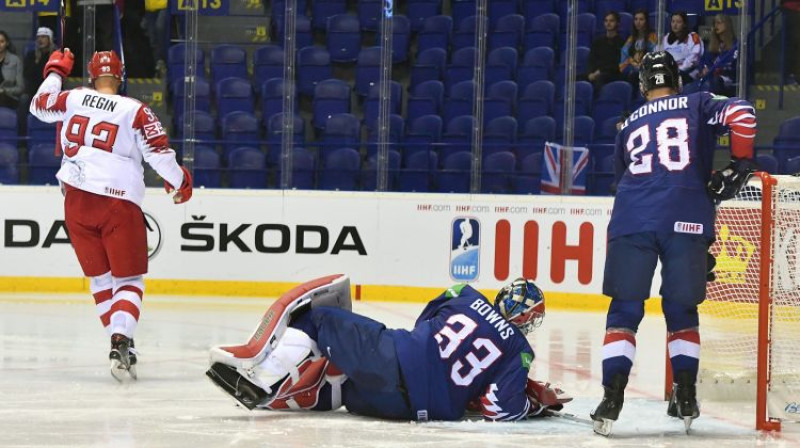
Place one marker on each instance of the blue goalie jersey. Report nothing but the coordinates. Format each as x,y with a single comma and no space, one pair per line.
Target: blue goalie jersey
663,161
460,350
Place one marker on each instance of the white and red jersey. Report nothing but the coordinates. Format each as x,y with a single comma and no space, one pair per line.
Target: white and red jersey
104,139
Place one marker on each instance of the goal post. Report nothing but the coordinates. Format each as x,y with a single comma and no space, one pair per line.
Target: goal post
750,320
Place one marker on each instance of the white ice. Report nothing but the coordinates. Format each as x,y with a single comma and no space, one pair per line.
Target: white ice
55,388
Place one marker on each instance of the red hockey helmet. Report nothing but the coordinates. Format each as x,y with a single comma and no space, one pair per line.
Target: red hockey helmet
105,63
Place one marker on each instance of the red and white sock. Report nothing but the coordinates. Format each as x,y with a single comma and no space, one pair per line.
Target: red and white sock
684,350
126,304
101,289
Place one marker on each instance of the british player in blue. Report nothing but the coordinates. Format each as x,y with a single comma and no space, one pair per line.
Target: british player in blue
664,210
465,352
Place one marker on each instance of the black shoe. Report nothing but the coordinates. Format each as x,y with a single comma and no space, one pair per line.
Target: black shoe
608,410
683,401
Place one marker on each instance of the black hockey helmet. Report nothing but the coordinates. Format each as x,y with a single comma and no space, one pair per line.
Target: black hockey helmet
659,69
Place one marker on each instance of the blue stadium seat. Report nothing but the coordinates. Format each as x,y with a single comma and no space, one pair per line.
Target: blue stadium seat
423,133
247,168
396,134
322,9
202,95
369,173
584,94
460,100
369,14
419,169
234,94
303,33
625,25
586,27
605,137
425,98
464,34
689,6
793,165
603,177
207,168
304,167
368,69
787,143
435,33
500,100
401,38
768,163
204,128
372,102
537,100
419,10
8,125
42,164
581,66
498,171
331,96
268,62
499,135
537,65
175,63
535,8
344,37
462,9
501,65
41,132
341,131
228,61
9,164
238,129
429,66
541,31
501,8
508,32
583,131
528,178
647,5
562,7
537,131
275,135
272,95
313,66
341,170
602,7
457,136
454,177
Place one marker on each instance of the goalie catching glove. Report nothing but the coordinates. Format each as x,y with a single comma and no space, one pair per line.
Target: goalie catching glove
184,192
726,183
543,397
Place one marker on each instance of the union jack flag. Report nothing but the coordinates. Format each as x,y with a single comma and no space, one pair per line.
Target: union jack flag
555,178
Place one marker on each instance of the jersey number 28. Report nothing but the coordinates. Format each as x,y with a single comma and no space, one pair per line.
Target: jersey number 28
450,337
672,150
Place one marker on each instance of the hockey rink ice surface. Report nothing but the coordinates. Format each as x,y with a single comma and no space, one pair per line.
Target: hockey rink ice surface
56,390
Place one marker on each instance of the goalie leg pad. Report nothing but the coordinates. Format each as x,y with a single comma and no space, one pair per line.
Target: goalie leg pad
303,392
332,290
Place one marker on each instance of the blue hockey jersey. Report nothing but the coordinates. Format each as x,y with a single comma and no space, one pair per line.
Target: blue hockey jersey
462,349
663,161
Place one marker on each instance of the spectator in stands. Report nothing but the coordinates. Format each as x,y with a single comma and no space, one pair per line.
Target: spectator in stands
642,40
155,25
604,55
11,84
36,59
720,61
791,10
685,46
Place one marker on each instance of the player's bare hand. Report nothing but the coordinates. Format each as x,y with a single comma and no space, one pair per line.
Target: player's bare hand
60,63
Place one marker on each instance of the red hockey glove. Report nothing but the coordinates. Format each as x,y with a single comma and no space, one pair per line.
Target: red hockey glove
184,193
60,63
544,397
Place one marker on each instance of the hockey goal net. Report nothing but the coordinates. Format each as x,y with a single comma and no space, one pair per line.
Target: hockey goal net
750,321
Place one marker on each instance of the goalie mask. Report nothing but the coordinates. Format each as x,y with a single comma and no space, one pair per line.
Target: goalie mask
659,69
105,63
522,304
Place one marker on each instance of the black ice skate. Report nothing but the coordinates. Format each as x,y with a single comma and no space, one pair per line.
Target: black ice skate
237,386
607,411
683,401
122,356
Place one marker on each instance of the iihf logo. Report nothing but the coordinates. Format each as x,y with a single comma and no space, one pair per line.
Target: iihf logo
465,249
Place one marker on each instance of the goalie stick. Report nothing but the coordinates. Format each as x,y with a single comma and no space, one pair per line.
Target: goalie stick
568,416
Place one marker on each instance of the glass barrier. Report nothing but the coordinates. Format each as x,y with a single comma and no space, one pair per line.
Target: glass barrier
421,95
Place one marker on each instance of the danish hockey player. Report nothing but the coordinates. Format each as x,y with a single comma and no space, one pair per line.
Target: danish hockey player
104,138
664,210
465,352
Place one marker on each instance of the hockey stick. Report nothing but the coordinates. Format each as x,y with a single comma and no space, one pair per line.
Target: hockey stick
62,18
570,417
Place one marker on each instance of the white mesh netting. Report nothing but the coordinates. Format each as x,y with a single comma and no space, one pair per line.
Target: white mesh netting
729,316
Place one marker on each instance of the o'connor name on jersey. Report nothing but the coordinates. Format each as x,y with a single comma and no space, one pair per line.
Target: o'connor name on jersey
652,107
